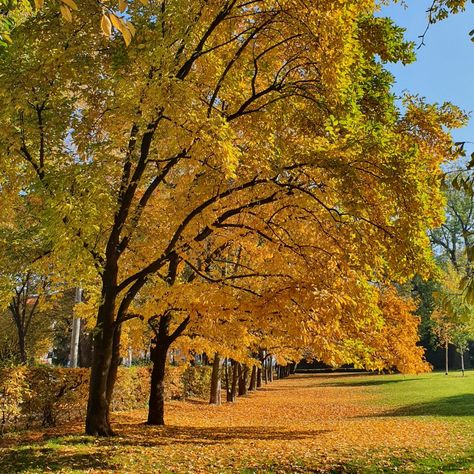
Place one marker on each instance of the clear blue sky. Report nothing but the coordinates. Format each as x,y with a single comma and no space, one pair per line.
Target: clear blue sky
444,70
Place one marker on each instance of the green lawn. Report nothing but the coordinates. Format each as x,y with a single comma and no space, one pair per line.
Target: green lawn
434,394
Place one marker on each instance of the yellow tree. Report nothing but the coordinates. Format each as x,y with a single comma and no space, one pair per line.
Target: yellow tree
222,121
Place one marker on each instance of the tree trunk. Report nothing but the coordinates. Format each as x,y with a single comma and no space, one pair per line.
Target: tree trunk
85,346
97,420
156,404
215,398
462,362
233,389
253,379
446,347
259,377
243,380
114,364
227,380
22,347
158,354
270,369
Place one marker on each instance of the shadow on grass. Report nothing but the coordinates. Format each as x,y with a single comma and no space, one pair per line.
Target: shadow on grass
44,459
456,405
369,383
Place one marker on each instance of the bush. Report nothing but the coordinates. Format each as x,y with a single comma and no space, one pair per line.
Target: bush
47,396
197,382
13,390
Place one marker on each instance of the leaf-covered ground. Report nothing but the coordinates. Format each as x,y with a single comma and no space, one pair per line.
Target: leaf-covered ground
306,423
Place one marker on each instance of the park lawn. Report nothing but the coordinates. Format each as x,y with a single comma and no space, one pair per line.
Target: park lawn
306,423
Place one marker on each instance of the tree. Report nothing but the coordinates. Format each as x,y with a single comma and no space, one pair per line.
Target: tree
454,317
222,122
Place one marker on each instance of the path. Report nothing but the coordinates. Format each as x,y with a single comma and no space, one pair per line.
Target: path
304,423
307,419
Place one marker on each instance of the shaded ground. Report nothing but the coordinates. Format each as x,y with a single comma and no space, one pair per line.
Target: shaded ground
310,423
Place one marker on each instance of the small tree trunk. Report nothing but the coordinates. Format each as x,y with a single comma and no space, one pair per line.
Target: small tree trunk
270,369
265,370
233,388
156,404
253,379
226,376
462,362
22,347
242,380
215,398
259,377
446,347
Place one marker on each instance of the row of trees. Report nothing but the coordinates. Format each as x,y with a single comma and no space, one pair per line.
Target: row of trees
239,179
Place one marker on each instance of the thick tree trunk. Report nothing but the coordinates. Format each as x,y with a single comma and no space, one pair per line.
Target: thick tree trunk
158,354
215,398
253,379
156,404
97,421
259,377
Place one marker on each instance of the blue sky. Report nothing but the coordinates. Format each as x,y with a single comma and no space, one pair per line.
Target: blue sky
444,70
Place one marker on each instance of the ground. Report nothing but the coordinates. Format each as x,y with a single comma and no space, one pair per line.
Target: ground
305,423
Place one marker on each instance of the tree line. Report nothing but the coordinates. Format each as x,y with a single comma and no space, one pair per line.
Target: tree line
237,178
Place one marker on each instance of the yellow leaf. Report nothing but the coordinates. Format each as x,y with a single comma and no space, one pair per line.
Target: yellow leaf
144,2
122,5
39,4
131,28
66,13
127,37
71,4
106,25
117,22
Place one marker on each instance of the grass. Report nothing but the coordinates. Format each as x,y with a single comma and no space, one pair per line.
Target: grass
319,423
434,394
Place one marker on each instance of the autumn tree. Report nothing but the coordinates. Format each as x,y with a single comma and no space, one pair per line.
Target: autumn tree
265,123
454,316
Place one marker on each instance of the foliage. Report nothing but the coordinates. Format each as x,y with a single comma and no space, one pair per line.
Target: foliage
13,392
237,172
47,396
454,317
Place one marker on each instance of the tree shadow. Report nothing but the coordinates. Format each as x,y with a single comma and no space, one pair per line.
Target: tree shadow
154,436
44,459
456,405
369,383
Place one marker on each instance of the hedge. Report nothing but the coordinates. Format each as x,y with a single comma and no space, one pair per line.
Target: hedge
48,396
